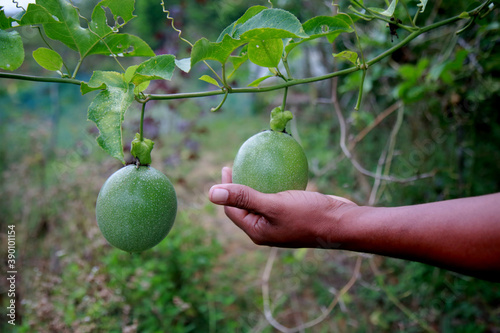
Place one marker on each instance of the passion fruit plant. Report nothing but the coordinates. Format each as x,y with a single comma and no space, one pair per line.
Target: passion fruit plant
263,35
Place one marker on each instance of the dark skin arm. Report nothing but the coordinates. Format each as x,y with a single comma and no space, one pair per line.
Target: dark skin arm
461,235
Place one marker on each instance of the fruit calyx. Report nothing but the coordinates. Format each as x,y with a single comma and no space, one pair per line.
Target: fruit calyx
141,149
279,119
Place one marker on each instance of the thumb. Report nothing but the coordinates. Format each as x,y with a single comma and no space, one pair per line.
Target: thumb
235,195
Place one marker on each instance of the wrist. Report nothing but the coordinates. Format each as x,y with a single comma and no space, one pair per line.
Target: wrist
343,226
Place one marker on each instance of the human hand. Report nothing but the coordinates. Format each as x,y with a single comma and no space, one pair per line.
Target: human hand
285,219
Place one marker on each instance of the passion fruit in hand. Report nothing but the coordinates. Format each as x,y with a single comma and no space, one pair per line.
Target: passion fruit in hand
136,208
271,162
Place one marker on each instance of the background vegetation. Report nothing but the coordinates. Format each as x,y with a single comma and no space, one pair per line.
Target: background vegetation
432,107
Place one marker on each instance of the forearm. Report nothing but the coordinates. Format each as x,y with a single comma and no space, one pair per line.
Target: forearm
461,235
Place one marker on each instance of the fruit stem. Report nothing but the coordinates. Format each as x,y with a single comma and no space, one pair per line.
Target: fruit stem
141,148
141,130
285,93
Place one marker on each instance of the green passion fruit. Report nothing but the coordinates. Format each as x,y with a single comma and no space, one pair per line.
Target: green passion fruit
136,208
271,162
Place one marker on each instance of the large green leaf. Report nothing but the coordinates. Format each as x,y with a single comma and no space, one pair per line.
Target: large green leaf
99,24
114,43
99,38
265,53
67,28
36,14
269,24
108,108
124,45
258,24
11,50
157,68
251,12
122,10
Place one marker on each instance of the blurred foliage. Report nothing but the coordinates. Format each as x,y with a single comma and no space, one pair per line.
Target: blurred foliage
203,277
163,289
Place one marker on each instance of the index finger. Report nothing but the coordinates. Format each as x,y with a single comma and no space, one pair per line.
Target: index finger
227,175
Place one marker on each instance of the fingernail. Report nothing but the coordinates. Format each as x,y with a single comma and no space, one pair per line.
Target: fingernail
219,196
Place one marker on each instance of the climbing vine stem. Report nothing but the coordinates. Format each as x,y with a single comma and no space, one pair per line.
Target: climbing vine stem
361,85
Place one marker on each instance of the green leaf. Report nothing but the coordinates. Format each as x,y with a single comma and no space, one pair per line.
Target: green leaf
108,108
129,73
123,45
210,80
141,87
122,9
259,80
36,14
257,24
117,44
323,26
122,13
347,55
270,24
11,50
5,22
184,64
251,12
156,68
389,11
265,53
206,50
99,24
101,79
67,28
48,59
